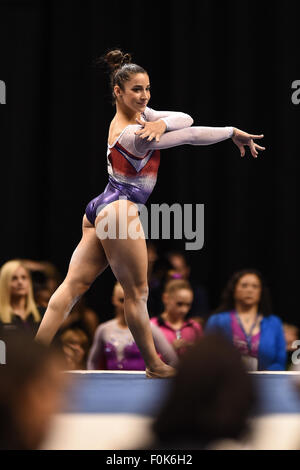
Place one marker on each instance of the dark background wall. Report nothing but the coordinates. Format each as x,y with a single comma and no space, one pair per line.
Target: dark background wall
225,63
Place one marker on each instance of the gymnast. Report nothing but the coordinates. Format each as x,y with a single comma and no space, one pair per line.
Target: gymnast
136,135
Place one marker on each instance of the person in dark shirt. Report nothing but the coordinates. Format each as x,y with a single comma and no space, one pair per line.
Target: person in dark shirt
18,310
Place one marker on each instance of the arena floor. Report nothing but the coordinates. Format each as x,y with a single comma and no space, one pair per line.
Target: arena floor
113,411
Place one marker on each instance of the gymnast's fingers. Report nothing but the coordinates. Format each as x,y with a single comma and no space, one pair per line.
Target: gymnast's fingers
144,134
242,150
139,121
259,147
253,136
253,149
151,136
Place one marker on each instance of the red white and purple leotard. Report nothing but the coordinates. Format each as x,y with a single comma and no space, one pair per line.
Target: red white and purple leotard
133,162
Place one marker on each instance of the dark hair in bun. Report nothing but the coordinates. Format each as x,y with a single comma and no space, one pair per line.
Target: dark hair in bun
120,67
115,59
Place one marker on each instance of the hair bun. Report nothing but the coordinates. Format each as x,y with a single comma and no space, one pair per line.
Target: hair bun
115,59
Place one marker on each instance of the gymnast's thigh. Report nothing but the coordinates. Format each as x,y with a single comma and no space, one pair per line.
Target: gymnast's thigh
88,259
127,256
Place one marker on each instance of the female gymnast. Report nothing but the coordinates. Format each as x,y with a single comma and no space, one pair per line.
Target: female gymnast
136,135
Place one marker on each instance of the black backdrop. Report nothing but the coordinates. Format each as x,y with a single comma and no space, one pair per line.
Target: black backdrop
225,63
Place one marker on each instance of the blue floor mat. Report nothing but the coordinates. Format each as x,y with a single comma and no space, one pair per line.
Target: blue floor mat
134,393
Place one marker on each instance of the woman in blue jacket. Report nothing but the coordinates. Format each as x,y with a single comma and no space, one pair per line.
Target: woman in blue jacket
245,318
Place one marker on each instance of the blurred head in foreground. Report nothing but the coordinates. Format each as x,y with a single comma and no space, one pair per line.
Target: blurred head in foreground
31,385
210,399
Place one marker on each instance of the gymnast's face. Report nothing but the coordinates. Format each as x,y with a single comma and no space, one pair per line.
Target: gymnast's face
136,93
248,290
178,303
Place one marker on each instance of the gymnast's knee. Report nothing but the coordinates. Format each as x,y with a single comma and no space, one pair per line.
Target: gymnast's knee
75,288
79,287
137,293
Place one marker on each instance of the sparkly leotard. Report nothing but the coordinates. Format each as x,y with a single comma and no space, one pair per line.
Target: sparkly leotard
114,348
133,162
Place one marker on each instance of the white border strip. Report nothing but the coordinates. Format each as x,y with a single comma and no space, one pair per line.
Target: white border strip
142,372
137,372
275,372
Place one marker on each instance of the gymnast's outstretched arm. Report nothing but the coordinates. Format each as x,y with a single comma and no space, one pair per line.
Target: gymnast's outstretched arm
138,139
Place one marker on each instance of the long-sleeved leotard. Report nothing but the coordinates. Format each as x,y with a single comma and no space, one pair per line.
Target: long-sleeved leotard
133,162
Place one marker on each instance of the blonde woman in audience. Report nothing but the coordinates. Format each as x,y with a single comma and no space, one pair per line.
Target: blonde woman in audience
18,309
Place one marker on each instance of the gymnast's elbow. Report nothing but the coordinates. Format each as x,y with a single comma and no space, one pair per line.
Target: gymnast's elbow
189,120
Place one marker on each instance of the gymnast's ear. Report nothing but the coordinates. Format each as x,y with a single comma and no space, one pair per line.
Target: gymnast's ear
117,91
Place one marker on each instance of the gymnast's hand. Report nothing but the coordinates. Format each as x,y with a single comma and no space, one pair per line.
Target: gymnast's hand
241,138
152,129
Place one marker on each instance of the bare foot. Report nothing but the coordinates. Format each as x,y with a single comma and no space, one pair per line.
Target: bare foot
161,372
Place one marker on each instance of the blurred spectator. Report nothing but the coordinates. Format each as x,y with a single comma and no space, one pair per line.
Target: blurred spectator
152,258
83,318
172,266
75,345
45,278
179,331
245,318
158,269
291,334
18,309
211,398
114,347
31,386
200,307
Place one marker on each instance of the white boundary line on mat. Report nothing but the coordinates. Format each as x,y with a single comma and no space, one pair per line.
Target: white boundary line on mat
142,372
275,372
137,372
